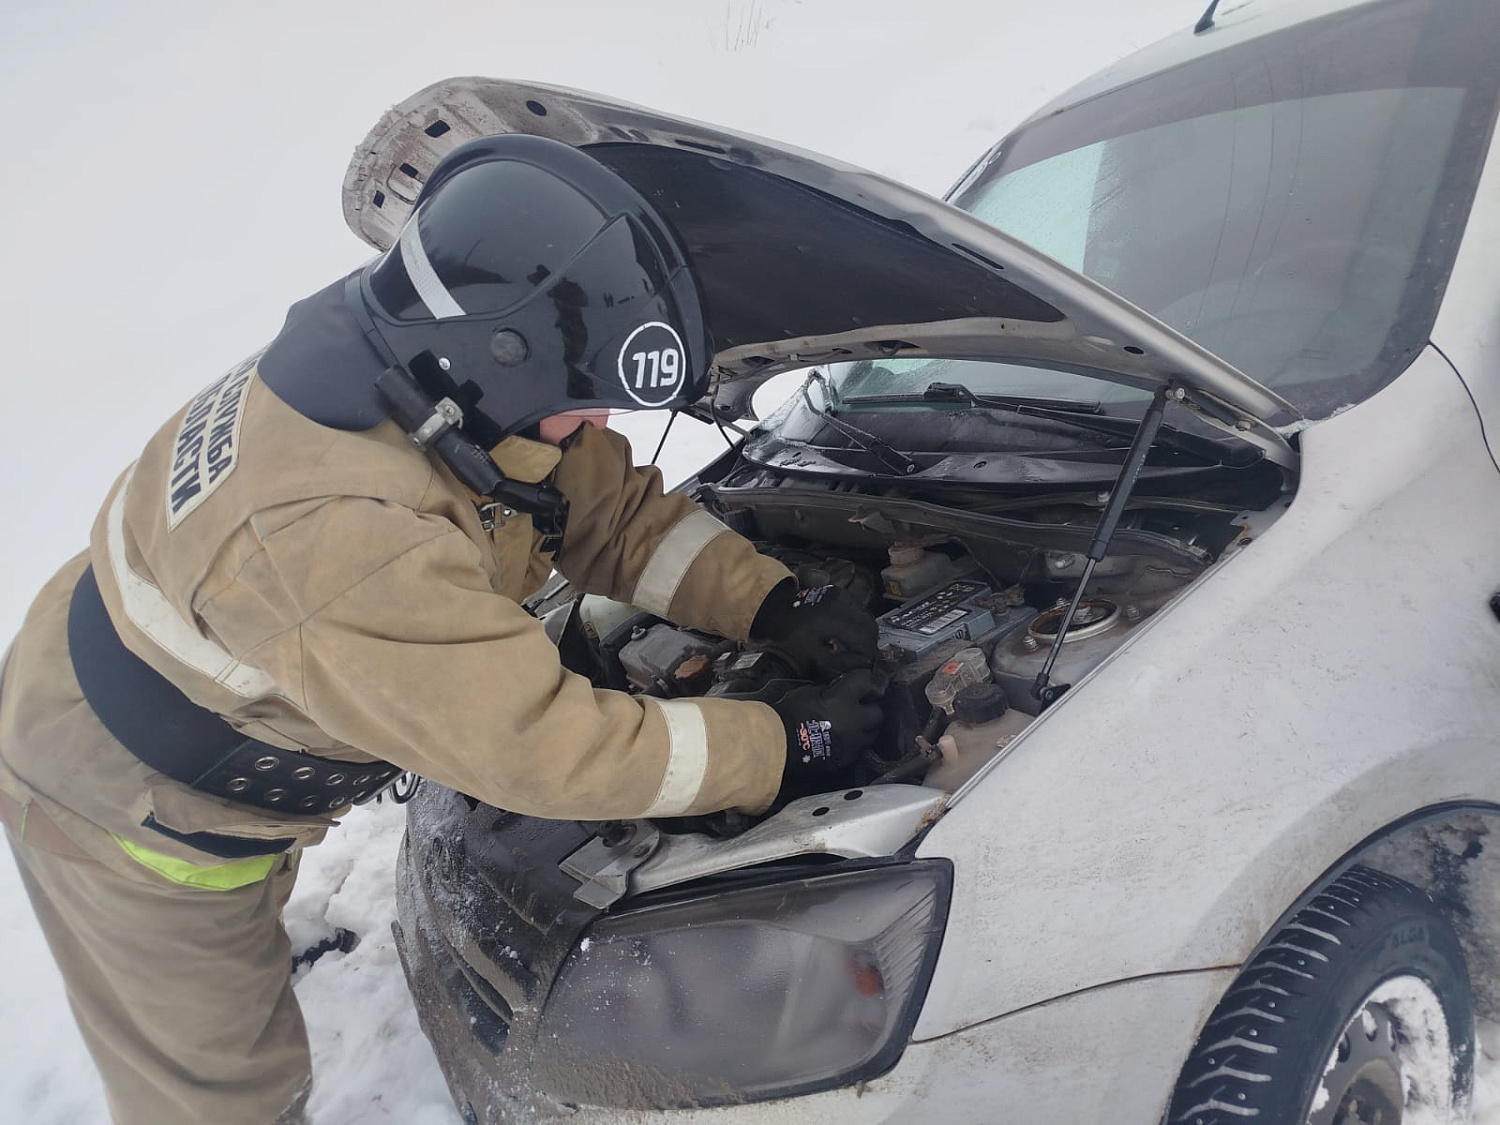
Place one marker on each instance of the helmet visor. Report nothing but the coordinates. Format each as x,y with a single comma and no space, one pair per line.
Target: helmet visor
501,231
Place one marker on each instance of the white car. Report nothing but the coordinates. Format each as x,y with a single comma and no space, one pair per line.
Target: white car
1160,447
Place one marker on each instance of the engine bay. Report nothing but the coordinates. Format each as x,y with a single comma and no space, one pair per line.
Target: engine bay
969,602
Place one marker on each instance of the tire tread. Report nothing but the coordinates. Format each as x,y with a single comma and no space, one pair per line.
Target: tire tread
1239,1070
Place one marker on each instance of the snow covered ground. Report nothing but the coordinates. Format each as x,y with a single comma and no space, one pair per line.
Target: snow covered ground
174,168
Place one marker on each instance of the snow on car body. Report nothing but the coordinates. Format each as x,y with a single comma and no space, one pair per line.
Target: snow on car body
1308,684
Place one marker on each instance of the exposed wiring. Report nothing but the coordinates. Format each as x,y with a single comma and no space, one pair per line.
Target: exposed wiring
1484,436
405,787
713,409
665,431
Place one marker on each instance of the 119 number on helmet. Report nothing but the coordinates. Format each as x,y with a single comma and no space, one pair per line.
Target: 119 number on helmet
663,368
652,364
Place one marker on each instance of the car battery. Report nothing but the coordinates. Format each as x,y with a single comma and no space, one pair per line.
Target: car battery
921,635
961,610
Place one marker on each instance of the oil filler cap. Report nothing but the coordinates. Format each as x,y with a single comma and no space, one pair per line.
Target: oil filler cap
980,703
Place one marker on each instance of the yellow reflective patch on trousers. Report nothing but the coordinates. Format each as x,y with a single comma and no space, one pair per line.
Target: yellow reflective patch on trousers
219,877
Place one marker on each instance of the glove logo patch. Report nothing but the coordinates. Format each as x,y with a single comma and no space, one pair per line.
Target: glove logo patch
653,364
815,740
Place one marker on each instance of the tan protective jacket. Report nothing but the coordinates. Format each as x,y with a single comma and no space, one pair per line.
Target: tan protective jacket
337,592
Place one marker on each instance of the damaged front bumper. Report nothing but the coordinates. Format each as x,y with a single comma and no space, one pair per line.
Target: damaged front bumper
783,980
486,918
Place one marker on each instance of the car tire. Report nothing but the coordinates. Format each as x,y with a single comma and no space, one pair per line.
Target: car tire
1356,1010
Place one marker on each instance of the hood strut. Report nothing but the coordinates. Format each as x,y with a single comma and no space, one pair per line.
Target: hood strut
1135,457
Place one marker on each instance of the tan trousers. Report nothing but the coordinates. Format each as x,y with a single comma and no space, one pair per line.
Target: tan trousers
183,995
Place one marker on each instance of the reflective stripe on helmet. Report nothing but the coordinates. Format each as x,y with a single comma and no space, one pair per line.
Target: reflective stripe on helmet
151,613
674,555
424,278
687,758
538,273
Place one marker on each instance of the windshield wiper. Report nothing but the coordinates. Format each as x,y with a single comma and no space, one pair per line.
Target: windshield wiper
887,455
958,392
1066,411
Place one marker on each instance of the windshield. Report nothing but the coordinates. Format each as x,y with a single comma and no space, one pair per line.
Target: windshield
1293,204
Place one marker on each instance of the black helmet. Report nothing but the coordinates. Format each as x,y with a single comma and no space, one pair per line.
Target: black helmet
530,280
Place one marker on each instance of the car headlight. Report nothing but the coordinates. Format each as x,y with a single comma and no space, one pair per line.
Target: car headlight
748,994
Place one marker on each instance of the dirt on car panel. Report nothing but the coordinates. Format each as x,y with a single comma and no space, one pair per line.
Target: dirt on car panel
624,1084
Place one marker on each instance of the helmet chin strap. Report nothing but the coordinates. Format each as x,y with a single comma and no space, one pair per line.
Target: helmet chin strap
433,424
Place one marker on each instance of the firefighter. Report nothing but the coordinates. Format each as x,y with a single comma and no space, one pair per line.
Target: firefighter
309,581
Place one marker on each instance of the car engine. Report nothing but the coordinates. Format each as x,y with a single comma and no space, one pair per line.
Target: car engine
969,603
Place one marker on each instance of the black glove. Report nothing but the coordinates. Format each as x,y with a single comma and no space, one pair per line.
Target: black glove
828,726
823,630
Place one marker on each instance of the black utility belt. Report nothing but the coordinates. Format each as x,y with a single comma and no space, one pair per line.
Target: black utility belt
155,721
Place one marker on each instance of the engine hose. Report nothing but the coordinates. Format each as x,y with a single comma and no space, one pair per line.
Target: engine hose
923,755
405,787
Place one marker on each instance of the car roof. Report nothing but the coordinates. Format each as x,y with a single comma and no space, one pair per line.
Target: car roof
1233,25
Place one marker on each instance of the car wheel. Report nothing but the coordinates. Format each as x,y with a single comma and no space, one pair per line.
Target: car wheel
1357,1012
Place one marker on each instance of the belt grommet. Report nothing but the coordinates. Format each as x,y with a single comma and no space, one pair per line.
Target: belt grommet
360,796
265,764
302,773
308,803
334,779
361,779
238,784
274,795
335,802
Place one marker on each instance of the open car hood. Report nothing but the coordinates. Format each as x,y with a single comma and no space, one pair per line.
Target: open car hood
804,259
